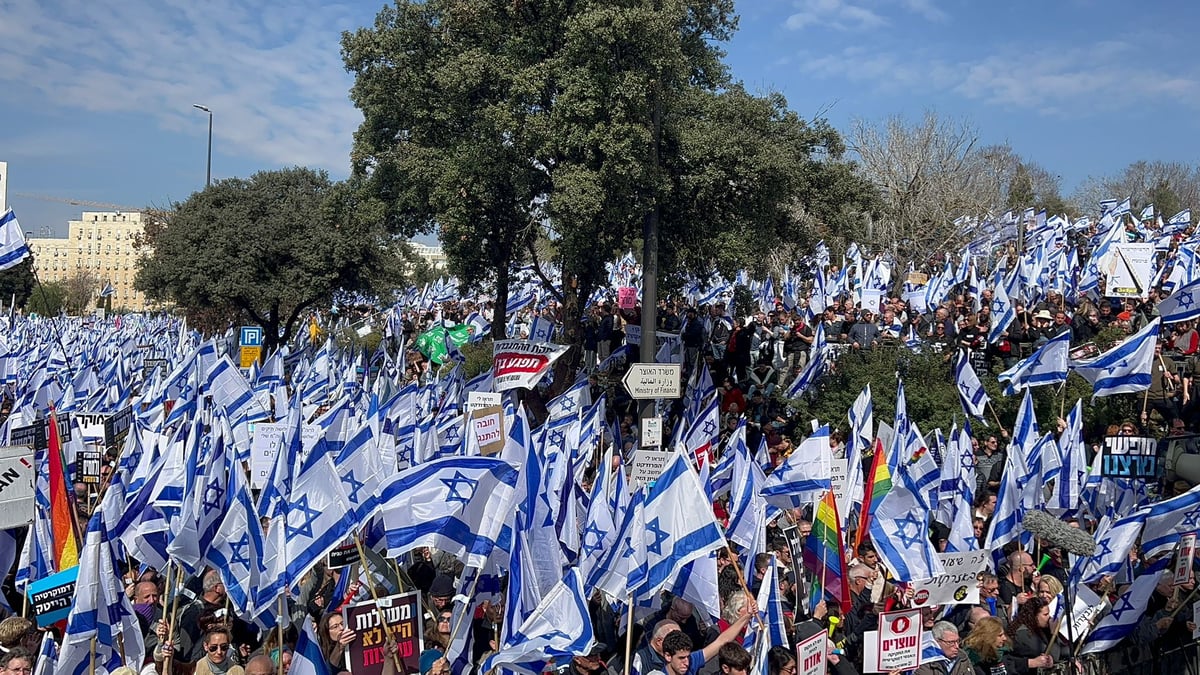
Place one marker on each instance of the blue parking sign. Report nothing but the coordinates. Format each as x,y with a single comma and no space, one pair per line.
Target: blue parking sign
252,336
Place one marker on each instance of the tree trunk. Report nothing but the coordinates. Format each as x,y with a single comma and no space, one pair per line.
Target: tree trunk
500,313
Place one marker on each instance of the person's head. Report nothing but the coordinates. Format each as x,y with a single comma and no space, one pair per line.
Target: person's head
989,586
974,616
661,630
735,606
1128,428
214,588
734,659
260,665
592,662
781,661
442,591
986,638
867,554
681,610
977,524
860,578
17,661
13,630
990,444
985,502
946,635
444,619
1048,587
677,652
217,643
428,661
1034,615
145,593
1020,565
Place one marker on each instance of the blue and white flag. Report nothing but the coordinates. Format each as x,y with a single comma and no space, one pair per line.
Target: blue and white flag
107,290
1047,365
970,390
1003,313
101,612
236,548
899,530
308,659
862,435
747,508
815,366
560,627
13,248
456,504
1182,305
805,476
1168,520
1126,367
309,523
1073,467
1127,611
1114,540
680,526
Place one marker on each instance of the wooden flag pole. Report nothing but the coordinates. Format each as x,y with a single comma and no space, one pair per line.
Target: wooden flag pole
628,634
279,627
387,632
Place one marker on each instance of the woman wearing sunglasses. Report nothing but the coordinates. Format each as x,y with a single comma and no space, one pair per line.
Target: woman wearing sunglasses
217,658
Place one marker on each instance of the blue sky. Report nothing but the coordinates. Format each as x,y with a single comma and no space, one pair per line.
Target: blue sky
97,96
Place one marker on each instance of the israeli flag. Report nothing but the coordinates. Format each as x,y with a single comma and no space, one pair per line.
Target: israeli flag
815,366
1114,540
13,248
805,476
970,389
1127,611
308,659
456,504
1167,520
1047,365
559,628
680,526
1181,305
1124,368
1003,313
898,529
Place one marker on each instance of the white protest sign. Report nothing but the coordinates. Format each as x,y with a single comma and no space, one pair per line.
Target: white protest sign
838,478
265,446
16,486
652,432
810,655
1086,611
959,585
1196,612
648,465
488,426
1129,268
899,644
477,400
1184,557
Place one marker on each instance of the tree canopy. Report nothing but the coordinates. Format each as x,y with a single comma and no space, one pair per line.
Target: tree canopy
504,124
266,248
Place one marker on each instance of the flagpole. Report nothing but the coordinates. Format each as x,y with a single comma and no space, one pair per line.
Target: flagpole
1062,405
92,657
995,416
279,628
628,633
173,581
387,632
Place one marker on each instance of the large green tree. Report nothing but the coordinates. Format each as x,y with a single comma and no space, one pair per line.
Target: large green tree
17,282
266,247
507,124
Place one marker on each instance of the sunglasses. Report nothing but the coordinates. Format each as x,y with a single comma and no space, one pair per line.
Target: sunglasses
218,648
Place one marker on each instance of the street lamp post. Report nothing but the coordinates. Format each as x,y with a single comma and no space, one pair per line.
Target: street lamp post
208,175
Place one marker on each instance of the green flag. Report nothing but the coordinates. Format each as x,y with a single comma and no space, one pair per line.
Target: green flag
432,343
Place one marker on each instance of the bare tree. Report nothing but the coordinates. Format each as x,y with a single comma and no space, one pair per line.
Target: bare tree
930,173
81,286
1170,186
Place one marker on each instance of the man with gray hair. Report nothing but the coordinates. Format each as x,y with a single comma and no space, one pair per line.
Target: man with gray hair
945,636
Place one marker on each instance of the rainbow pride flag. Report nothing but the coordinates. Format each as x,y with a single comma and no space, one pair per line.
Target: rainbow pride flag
878,484
64,527
824,553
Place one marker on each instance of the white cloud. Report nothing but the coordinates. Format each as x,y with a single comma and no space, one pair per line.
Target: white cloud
271,73
846,15
1055,81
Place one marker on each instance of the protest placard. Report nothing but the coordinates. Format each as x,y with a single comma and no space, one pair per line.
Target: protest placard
810,655
16,486
402,614
959,585
1184,556
51,597
898,646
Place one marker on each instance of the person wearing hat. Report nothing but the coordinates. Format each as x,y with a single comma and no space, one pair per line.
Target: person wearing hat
864,334
433,662
441,591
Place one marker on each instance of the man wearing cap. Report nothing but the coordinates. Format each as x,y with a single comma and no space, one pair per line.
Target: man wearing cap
591,663
864,334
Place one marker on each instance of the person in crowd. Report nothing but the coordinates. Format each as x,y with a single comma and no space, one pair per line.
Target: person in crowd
987,647
1017,582
16,661
334,636
1029,633
945,635
218,654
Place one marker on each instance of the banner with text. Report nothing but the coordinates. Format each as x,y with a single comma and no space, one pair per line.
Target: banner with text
958,586
520,363
401,613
